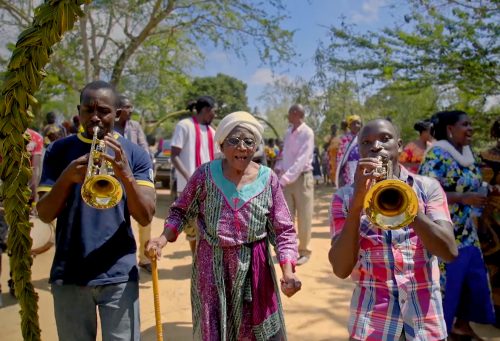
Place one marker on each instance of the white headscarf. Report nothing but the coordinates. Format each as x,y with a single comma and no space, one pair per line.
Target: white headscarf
239,119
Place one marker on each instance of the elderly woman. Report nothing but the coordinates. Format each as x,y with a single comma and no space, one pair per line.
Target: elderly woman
467,296
239,209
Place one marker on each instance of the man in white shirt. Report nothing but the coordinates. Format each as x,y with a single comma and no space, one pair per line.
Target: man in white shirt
295,171
193,145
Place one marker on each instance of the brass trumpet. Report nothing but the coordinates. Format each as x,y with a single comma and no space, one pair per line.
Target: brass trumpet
100,188
390,203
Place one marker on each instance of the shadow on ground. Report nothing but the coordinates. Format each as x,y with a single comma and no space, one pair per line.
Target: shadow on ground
177,273
172,331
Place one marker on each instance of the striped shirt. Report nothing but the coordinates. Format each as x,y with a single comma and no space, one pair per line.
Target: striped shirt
397,279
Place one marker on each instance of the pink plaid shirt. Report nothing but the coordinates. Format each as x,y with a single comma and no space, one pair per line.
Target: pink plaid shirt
397,279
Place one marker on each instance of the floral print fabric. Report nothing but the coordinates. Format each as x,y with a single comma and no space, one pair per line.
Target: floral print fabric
453,177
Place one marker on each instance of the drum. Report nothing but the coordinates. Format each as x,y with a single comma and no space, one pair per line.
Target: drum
42,235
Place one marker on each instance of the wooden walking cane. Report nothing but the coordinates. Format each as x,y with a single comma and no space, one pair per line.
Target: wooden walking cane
156,295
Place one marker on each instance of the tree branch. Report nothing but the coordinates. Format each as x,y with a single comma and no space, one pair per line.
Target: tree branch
85,43
156,17
63,74
23,18
107,37
95,56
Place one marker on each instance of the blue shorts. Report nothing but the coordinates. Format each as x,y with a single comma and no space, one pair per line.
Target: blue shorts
467,292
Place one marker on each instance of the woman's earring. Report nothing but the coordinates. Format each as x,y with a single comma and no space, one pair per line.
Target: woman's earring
450,136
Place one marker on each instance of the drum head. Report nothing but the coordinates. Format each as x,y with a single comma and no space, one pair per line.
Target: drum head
42,235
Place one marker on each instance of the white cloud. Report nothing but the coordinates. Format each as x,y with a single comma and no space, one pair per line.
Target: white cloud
369,11
264,76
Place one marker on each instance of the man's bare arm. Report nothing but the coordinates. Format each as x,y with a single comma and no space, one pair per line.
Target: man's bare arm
176,161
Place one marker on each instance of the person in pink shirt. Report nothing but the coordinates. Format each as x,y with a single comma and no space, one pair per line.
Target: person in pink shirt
295,172
397,294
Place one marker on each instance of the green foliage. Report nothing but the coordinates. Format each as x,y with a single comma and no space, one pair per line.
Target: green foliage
320,107
278,97
228,92
443,43
147,48
404,108
341,99
22,79
278,118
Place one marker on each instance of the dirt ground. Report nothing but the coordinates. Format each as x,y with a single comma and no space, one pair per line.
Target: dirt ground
318,312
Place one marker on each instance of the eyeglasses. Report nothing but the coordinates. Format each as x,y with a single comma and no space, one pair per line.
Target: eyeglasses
235,141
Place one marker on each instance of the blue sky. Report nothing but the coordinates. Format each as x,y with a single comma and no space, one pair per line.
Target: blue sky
310,19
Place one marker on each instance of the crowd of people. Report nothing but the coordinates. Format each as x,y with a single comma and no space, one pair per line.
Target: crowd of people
426,280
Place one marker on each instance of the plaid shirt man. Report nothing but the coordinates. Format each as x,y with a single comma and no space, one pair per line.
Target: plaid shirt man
397,279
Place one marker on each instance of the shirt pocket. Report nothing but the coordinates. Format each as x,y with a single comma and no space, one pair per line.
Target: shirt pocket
372,253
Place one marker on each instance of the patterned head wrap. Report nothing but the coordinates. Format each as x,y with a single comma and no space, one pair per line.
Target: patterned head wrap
239,119
352,118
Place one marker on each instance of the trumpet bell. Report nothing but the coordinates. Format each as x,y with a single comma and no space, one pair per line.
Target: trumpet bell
391,204
102,191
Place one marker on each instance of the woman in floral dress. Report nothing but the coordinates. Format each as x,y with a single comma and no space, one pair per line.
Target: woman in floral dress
240,210
467,295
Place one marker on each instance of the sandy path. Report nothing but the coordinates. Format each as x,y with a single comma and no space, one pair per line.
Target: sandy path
318,312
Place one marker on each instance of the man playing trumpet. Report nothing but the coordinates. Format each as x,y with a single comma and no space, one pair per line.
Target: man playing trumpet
94,264
397,294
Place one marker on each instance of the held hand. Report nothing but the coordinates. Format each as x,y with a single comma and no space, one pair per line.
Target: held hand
154,246
76,170
473,199
119,162
290,284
